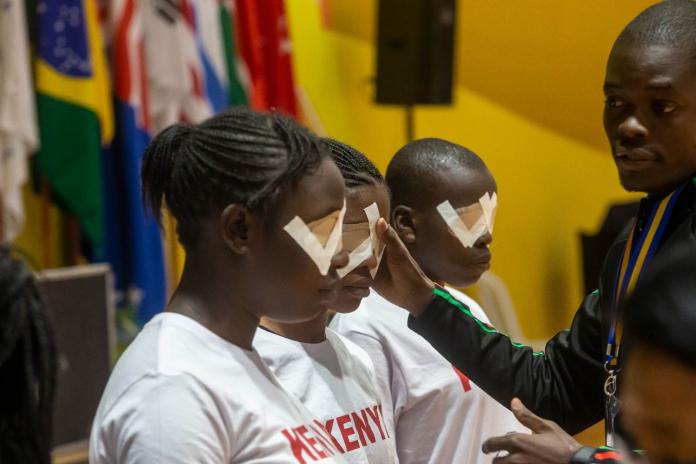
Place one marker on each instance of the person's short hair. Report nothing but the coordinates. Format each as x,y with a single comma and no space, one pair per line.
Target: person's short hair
414,169
661,312
670,23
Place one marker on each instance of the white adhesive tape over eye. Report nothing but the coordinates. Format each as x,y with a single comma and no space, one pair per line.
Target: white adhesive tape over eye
471,222
362,253
320,253
489,203
369,247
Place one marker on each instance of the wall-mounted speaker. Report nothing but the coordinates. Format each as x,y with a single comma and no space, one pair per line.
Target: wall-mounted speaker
415,51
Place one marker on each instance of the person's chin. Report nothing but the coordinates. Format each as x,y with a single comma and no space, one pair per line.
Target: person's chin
640,180
300,315
472,275
632,183
348,301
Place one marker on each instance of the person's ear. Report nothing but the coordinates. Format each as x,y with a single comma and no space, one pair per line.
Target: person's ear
403,224
237,226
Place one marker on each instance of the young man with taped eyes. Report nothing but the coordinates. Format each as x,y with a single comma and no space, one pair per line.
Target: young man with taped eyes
443,208
650,122
333,377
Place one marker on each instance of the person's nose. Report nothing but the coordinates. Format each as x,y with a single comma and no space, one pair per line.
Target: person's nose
484,240
632,128
339,260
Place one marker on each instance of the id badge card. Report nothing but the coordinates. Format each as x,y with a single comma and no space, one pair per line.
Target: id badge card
612,408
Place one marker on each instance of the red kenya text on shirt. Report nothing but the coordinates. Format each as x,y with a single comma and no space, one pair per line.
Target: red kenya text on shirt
342,434
466,383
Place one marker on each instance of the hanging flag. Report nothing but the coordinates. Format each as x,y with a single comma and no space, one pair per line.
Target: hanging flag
175,74
267,51
18,132
74,108
237,70
167,76
276,50
211,47
134,241
247,14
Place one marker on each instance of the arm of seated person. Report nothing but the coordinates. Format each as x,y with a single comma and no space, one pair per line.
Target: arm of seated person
162,419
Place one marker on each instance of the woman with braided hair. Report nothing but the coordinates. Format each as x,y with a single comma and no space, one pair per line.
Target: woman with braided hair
27,366
190,388
328,373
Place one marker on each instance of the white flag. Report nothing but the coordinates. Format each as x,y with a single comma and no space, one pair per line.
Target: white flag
175,72
18,129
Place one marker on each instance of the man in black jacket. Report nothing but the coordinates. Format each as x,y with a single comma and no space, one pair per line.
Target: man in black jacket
650,121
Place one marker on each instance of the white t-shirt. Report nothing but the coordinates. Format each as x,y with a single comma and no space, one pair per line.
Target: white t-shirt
335,380
440,416
181,394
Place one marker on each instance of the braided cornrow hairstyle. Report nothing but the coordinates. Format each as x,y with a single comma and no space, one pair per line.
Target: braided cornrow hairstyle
356,168
27,366
239,156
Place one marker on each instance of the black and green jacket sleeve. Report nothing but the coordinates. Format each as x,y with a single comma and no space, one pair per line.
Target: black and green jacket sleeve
562,383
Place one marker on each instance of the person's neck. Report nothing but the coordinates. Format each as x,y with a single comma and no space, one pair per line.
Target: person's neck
312,331
207,295
666,190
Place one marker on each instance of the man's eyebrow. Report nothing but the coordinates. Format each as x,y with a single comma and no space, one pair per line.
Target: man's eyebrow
657,84
663,83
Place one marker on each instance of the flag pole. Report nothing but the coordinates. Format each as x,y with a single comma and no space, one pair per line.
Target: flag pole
2,221
47,231
73,237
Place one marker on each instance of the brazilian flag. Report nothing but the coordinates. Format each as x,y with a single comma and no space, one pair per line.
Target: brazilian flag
74,108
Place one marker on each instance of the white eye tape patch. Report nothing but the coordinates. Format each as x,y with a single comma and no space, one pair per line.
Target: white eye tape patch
370,246
321,239
469,223
489,203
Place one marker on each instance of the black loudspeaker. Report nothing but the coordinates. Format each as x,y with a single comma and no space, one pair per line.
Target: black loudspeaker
80,302
415,51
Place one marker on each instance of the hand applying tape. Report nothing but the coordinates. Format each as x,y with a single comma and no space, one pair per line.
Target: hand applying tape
362,242
470,222
320,239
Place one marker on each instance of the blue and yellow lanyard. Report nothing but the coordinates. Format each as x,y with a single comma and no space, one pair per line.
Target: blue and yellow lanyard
637,254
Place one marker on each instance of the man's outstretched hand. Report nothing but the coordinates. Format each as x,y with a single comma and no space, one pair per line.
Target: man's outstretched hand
548,444
400,279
